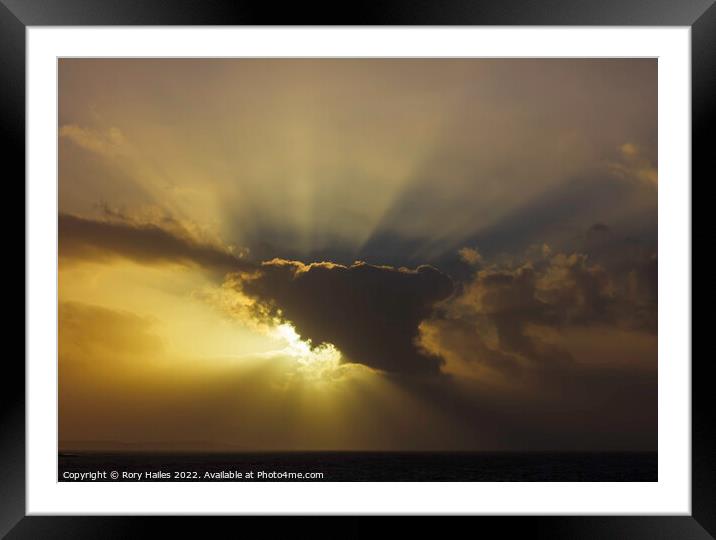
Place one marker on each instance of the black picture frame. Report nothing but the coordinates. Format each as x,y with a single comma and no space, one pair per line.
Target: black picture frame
16,15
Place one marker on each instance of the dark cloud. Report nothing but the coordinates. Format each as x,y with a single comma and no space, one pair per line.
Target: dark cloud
509,319
148,243
371,313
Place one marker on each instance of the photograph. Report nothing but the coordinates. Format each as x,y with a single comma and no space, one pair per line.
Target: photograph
427,259
357,269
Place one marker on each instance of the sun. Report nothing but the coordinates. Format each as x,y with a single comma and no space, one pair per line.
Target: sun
321,357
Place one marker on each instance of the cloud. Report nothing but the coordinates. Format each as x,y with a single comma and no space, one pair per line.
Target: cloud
507,321
370,313
148,243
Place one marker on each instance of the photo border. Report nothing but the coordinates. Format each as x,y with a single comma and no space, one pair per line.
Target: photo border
700,15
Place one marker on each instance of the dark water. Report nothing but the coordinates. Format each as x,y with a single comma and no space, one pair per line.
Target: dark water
363,466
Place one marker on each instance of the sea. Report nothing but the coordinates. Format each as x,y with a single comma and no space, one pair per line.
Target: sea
359,467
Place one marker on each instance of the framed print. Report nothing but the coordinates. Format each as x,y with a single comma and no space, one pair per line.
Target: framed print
429,260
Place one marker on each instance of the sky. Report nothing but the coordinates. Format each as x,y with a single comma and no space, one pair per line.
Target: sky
358,254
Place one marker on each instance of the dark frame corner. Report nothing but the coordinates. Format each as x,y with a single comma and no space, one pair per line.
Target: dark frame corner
700,15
